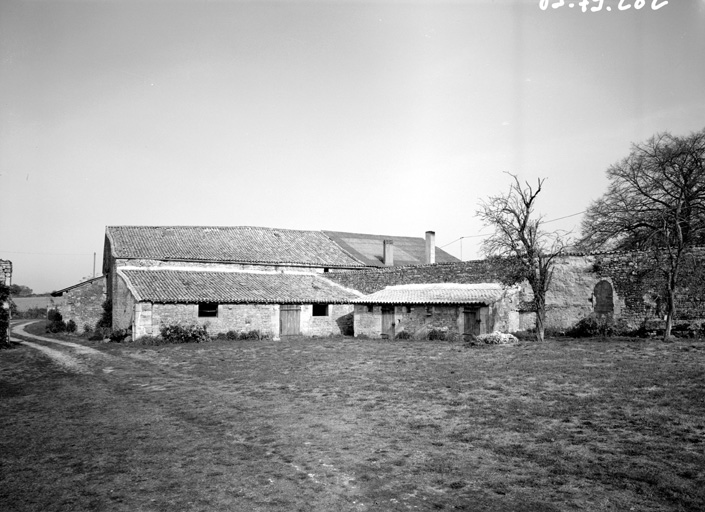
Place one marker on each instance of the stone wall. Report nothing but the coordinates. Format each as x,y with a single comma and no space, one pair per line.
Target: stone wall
338,321
419,320
83,304
639,293
123,305
231,317
149,317
374,280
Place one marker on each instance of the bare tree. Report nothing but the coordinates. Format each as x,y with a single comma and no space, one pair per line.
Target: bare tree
519,236
655,201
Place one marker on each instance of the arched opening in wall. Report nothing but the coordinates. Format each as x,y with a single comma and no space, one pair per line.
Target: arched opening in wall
604,298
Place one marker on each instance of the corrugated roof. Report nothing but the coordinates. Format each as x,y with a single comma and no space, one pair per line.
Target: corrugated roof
370,248
243,244
188,286
438,293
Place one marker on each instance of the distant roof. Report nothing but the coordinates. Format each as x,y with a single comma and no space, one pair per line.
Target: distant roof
369,249
59,293
438,293
188,286
242,244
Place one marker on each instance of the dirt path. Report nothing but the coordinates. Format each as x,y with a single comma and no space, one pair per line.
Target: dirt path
65,358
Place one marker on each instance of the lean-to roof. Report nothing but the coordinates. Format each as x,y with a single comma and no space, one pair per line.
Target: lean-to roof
189,286
439,293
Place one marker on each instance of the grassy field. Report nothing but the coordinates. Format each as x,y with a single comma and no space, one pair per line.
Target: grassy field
356,425
25,303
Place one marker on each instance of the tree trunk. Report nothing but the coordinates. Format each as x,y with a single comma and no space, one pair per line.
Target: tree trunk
671,298
540,304
670,313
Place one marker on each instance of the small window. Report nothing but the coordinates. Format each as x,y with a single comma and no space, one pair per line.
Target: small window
429,310
207,309
320,310
370,308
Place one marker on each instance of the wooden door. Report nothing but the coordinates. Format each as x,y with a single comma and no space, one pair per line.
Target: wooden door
471,322
388,322
289,319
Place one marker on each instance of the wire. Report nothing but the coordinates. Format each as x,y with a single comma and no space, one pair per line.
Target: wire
48,253
561,218
545,222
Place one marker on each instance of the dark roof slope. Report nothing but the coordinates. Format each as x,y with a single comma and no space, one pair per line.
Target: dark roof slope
370,248
241,244
187,286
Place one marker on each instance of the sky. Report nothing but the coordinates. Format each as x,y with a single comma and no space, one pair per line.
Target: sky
386,117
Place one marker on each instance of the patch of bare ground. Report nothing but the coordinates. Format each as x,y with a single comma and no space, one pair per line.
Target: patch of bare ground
343,424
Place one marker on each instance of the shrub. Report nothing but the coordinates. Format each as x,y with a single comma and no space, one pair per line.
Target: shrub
56,322
497,338
436,335
100,333
106,319
591,327
71,326
403,335
177,333
31,313
119,335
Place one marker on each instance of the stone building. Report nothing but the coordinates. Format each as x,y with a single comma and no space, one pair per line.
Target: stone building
626,286
417,309
273,303
244,278
82,302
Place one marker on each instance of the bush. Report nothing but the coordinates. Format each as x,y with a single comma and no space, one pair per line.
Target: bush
497,338
56,322
99,334
71,326
31,313
106,319
177,333
436,335
403,335
591,327
119,335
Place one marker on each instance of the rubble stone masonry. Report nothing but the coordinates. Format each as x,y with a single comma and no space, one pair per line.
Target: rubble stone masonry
639,287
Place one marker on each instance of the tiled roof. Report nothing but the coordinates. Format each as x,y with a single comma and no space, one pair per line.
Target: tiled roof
59,293
188,286
241,244
370,248
440,293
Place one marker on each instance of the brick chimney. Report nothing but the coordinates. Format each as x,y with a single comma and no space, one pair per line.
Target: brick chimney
430,247
389,252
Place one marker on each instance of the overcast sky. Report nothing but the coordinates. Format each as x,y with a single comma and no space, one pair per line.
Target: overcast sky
385,117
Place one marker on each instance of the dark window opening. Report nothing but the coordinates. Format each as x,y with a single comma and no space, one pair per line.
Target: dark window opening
320,310
207,309
370,308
